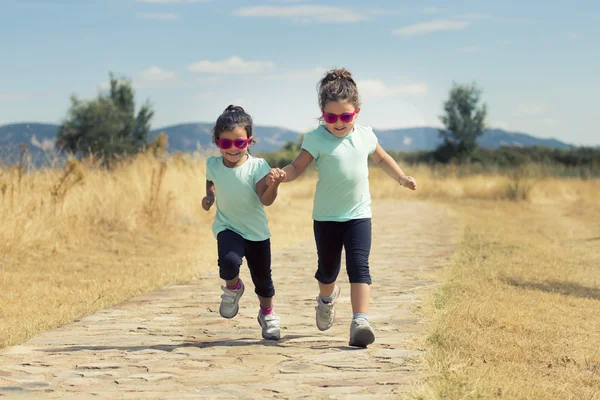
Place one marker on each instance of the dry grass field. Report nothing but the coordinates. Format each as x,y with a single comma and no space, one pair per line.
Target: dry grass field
516,315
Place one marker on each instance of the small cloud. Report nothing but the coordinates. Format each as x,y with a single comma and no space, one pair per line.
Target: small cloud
378,89
233,65
424,28
433,10
407,141
531,109
155,77
574,36
158,16
303,13
469,49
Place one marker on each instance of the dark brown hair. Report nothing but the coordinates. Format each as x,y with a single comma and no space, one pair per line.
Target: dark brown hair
338,85
233,117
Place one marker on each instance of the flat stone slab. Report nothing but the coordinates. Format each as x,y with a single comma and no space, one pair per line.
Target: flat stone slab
172,344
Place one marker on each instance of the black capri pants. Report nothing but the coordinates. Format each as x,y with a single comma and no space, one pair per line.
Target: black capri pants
355,237
232,247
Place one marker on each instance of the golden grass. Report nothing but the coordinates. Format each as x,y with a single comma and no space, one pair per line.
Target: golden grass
516,315
518,312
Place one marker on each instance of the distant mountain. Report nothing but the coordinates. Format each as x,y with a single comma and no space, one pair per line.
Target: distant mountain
427,138
192,136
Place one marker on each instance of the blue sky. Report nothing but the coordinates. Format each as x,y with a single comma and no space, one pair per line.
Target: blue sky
538,62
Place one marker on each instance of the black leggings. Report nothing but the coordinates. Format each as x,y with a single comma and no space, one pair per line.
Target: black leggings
232,248
355,237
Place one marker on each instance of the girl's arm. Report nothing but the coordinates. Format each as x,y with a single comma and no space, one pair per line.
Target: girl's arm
209,199
391,168
297,168
268,193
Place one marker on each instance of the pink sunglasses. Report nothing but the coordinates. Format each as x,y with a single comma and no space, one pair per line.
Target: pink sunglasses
331,118
239,144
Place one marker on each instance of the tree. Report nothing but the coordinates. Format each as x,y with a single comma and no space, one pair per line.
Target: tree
107,126
464,120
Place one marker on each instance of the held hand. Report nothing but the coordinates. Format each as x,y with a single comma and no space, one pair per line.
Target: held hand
207,202
408,182
275,177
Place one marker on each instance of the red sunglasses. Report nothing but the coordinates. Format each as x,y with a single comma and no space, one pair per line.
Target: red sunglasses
239,144
331,118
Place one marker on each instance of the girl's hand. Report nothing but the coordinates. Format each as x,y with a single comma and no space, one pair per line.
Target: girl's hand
275,176
207,202
408,182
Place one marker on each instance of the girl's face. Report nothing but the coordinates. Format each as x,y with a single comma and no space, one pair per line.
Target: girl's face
234,156
340,128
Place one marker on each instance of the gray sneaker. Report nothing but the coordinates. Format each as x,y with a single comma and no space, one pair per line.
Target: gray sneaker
230,300
269,325
326,311
361,333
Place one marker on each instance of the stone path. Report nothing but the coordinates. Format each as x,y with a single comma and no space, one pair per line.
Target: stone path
172,344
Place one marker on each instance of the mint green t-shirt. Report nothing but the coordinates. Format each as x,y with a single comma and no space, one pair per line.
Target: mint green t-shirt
342,163
238,206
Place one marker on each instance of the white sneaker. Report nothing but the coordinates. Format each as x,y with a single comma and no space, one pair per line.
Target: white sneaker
326,311
269,325
361,333
230,301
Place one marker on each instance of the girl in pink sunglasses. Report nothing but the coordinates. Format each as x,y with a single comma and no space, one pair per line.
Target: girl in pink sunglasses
238,183
342,205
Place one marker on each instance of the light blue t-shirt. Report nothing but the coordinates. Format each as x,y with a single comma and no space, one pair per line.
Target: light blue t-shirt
238,206
342,163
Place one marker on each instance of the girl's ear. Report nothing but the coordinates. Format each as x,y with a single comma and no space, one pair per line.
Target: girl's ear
357,110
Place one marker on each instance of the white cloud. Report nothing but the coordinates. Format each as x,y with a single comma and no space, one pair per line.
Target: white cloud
172,1
158,16
155,74
574,35
233,65
407,141
303,13
469,49
530,109
424,28
155,77
373,89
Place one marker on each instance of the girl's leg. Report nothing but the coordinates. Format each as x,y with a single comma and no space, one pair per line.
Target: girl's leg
230,247
258,256
357,243
328,237
329,241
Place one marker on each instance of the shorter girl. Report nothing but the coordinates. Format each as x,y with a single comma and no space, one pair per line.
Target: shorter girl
239,182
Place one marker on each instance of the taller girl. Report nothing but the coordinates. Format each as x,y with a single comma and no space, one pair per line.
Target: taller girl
342,203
